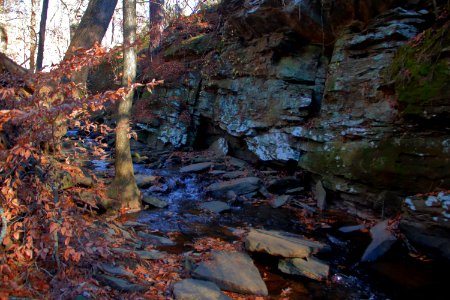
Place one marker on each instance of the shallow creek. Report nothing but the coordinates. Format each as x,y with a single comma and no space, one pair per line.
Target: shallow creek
395,276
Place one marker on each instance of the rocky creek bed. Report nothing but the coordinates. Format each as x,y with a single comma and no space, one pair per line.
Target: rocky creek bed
280,244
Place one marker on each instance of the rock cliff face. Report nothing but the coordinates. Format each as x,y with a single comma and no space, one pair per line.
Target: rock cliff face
321,84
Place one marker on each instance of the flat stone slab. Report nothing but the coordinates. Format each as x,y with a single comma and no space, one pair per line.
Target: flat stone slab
156,239
216,172
310,267
233,174
153,201
280,243
240,186
134,224
232,271
215,206
295,191
120,284
150,255
115,270
192,289
194,168
238,163
382,240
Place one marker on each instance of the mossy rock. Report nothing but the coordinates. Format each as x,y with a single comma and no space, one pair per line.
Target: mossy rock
197,45
67,179
411,165
420,71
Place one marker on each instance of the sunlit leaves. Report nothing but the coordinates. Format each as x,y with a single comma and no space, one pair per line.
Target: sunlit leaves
44,222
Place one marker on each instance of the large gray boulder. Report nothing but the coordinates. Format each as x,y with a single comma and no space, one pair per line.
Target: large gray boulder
232,271
280,243
192,289
425,223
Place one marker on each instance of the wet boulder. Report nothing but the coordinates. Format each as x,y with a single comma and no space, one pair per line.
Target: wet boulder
382,240
144,181
153,201
309,267
280,243
193,289
240,186
232,271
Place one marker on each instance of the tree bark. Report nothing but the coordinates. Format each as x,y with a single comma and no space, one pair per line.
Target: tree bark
156,23
33,42
124,185
92,28
42,27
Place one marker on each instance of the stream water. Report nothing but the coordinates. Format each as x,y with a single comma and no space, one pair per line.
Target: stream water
395,276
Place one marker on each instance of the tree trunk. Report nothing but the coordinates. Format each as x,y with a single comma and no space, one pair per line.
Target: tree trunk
33,37
42,27
124,186
92,28
156,23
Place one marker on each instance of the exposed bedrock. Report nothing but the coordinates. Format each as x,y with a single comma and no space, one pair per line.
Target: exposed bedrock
366,113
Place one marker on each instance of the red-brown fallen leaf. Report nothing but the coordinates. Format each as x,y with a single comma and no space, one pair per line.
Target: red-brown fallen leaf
4,296
53,227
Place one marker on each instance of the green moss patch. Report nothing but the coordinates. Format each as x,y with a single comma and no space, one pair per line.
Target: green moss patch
409,164
196,45
421,74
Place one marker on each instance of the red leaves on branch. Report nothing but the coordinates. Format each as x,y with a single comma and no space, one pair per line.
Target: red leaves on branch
45,229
